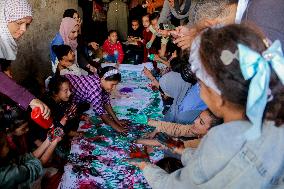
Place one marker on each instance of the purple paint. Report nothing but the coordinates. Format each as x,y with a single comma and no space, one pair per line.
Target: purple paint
126,90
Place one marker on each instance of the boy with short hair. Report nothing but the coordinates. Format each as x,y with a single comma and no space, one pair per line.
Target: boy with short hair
112,48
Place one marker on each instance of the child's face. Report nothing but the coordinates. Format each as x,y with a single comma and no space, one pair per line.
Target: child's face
108,86
135,25
23,129
203,122
113,37
154,22
145,21
68,59
64,92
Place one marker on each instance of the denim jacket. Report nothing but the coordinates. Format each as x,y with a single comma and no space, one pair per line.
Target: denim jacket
225,159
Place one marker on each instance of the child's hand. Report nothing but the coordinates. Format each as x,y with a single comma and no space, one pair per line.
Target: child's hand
92,68
149,45
150,135
178,150
157,57
94,45
138,163
148,73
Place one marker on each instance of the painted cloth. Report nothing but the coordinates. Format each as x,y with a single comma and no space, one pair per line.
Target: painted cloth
243,164
97,160
11,10
88,89
175,87
112,49
20,174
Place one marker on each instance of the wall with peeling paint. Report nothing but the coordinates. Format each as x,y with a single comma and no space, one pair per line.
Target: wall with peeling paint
33,55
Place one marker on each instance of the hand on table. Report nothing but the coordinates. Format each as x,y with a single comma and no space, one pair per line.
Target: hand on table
45,111
124,122
140,164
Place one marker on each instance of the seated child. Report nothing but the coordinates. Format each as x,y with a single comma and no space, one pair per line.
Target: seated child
112,49
198,129
20,170
135,33
66,58
95,90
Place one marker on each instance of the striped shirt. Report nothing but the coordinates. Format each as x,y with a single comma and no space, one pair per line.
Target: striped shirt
88,89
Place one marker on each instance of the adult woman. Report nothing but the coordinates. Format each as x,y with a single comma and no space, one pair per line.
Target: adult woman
95,90
175,87
15,16
245,89
67,35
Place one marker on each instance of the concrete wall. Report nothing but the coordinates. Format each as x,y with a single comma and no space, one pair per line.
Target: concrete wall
33,55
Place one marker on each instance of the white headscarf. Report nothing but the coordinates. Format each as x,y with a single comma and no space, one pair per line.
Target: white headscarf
174,86
198,68
11,10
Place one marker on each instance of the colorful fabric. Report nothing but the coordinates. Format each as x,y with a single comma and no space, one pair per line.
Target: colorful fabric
97,160
11,10
88,89
110,49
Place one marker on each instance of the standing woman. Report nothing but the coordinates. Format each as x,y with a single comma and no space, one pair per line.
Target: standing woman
15,17
95,89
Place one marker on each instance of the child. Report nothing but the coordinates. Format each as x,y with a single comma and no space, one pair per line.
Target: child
146,35
20,170
57,98
246,150
95,89
135,33
134,50
112,49
66,58
198,129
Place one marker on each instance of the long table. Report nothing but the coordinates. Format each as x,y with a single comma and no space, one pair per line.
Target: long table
97,160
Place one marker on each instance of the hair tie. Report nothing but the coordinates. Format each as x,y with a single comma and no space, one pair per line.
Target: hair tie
257,68
110,73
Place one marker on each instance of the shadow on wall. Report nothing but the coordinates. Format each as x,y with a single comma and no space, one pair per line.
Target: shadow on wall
32,62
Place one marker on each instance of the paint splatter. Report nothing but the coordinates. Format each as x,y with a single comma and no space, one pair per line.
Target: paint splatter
97,160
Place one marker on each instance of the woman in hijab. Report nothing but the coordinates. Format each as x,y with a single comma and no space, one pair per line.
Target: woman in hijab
67,35
15,17
175,87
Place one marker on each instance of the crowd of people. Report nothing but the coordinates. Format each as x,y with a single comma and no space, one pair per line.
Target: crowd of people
218,65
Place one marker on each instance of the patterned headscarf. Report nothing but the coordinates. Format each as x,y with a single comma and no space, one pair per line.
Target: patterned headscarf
66,26
11,10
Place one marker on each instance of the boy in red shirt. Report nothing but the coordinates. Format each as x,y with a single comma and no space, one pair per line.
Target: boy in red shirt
112,49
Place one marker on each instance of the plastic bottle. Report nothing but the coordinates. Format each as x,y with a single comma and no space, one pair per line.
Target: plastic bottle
37,117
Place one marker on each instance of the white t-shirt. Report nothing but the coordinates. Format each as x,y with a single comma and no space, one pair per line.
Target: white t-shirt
242,6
